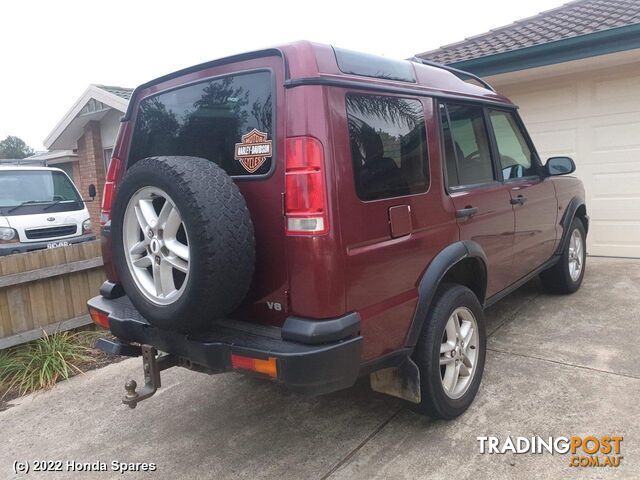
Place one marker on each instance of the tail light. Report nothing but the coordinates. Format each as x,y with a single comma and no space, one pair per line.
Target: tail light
305,187
99,318
266,367
108,194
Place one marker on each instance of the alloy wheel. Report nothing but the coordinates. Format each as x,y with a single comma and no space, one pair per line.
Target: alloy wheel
156,245
459,352
576,255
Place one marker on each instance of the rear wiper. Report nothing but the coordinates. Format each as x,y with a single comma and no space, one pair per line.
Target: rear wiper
28,202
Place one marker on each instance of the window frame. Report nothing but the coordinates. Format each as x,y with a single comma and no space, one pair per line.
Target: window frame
497,173
426,158
535,158
107,160
274,126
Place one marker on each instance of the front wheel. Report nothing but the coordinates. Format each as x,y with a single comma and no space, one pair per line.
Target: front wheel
566,275
450,353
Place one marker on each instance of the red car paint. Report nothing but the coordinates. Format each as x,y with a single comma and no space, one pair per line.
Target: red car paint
374,254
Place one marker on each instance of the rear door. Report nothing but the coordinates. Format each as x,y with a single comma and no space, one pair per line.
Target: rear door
392,217
533,195
220,114
482,201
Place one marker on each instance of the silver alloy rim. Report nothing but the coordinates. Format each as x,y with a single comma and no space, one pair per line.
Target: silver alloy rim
156,245
576,255
459,352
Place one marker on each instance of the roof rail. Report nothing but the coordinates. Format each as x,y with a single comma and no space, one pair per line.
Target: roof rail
456,71
23,161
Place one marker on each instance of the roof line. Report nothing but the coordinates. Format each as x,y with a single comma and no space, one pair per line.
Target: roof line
592,44
93,91
498,29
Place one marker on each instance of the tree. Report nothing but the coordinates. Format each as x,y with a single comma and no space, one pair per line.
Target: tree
14,147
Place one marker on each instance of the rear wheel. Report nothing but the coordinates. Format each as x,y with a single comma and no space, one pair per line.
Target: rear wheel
450,353
566,275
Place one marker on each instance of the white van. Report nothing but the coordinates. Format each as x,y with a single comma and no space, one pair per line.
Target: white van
40,207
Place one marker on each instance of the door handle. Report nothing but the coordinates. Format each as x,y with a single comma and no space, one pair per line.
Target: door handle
519,200
467,211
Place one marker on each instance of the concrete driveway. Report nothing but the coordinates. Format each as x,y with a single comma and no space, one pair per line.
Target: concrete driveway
557,365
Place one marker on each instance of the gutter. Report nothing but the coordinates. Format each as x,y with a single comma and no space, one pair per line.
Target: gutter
583,46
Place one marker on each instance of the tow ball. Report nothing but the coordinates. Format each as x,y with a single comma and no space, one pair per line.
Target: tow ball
152,365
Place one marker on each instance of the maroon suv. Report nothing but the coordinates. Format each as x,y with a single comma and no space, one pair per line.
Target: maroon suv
311,214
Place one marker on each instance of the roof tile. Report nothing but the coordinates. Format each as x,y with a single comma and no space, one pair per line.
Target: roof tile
575,18
119,91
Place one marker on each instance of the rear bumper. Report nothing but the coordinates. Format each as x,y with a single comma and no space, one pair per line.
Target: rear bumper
313,369
22,247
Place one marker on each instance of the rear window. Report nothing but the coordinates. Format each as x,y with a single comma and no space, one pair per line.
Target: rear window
207,120
388,146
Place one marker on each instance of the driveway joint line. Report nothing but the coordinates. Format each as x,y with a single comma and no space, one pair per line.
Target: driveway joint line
514,314
358,447
505,352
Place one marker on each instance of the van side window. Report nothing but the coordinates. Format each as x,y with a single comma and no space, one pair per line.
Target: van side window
516,158
467,152
388,146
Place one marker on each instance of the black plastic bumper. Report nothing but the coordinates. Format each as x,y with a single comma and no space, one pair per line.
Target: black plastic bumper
313,369
22,247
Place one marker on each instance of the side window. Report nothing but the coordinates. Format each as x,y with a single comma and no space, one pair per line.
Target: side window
388,146
516,158
467,152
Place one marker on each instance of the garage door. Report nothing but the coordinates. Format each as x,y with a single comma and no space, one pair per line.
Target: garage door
593,117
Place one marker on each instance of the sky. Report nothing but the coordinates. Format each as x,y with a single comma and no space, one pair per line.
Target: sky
52,50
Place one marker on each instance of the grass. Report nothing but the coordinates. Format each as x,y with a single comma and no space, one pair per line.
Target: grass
40,364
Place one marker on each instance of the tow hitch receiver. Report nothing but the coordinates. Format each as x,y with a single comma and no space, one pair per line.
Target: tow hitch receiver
152,366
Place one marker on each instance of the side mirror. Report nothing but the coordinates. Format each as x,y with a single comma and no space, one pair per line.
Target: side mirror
560,166
92,191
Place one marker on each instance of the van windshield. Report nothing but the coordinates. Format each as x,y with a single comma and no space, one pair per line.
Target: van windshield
37,191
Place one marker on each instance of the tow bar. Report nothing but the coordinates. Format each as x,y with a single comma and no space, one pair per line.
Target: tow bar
152,365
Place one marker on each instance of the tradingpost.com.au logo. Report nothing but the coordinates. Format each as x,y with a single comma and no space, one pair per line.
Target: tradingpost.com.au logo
587,451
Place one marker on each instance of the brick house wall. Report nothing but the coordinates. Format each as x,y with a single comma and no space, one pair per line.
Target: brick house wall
91,169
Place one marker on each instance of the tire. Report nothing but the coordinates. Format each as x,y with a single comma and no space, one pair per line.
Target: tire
437,402
215,226
558,279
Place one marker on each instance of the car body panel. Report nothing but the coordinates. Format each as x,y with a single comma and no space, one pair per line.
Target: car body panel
361,265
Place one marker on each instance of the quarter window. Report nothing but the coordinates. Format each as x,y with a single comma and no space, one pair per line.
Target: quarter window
516,158
467,153
388,146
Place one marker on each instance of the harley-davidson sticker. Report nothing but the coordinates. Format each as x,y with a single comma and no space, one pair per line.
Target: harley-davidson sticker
253,151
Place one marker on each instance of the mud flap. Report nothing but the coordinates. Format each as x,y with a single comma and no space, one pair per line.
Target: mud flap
402,381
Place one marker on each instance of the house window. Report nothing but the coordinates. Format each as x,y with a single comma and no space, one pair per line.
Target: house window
108,152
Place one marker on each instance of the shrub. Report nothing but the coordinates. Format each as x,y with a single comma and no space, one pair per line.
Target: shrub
43,362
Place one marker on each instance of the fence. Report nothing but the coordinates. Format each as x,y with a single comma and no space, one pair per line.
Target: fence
47,290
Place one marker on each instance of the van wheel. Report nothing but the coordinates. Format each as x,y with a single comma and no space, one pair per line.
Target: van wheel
183,242
566,275
450,353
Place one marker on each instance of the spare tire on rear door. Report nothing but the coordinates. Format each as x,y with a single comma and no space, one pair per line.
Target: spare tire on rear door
183,242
